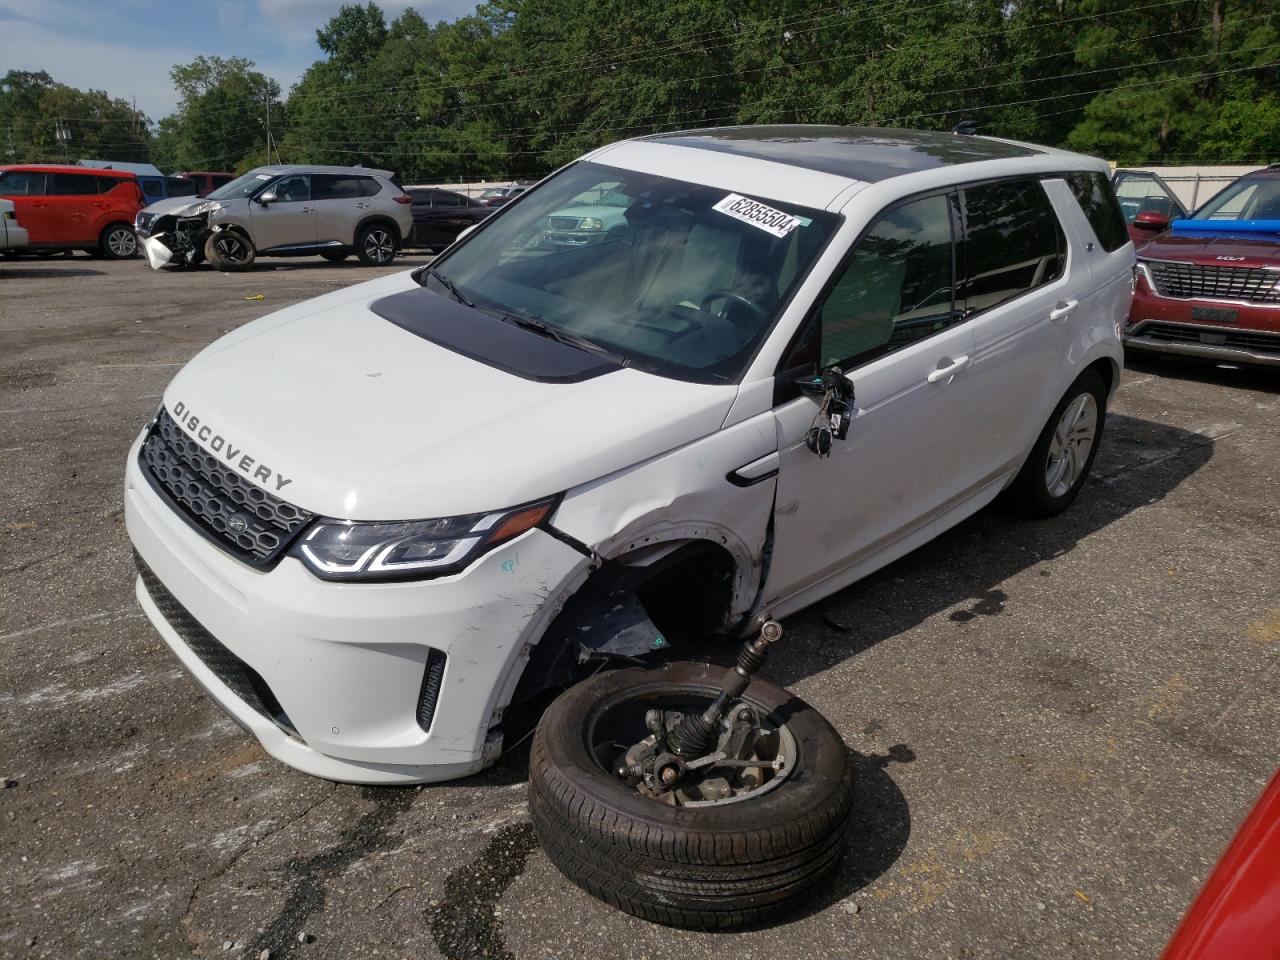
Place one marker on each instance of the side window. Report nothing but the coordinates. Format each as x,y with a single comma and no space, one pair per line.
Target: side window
293,188
1013,243
443,198
21,183
369,187
180,187
107,184
74,185
328,186
216,182
896,287
1104,213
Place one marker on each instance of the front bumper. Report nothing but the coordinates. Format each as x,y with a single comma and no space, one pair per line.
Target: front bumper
1167,325
345,663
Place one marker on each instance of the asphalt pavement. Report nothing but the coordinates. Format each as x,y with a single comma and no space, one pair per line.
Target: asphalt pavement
1056,725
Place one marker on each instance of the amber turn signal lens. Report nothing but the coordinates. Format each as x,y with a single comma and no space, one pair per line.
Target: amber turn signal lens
518,523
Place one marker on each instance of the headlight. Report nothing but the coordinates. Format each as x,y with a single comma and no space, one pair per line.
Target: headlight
590,223
413,549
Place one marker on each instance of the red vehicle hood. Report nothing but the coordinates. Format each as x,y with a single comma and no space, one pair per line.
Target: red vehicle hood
1215,249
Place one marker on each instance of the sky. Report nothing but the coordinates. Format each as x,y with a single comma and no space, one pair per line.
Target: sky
127,47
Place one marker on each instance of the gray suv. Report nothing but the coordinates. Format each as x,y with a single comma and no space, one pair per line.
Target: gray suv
282,211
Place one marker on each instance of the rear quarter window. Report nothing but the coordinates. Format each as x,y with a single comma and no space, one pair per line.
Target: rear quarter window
22,183
1098,201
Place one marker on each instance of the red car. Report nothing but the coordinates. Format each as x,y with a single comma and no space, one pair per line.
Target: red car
206,181
1237,914
68,208
1210,286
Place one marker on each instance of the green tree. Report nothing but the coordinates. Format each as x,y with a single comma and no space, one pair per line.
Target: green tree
220,122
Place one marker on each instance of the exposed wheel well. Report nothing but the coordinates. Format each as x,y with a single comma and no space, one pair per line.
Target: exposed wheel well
1109,370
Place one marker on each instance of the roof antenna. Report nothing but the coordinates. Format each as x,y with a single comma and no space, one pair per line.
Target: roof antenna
966,128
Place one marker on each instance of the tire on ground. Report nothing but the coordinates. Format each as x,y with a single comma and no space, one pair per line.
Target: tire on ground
706,868
376,244
118,242
1029,494
229,251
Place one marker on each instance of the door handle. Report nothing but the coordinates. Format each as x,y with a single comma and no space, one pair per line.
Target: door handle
949,371
1063,310
308,210
363,206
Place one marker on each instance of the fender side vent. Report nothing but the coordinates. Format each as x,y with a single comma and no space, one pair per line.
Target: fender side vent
432,678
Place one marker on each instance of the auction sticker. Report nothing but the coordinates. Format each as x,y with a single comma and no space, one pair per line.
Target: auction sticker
758,215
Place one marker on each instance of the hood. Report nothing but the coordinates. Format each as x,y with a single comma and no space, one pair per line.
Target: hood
348,414
179,206
1256,250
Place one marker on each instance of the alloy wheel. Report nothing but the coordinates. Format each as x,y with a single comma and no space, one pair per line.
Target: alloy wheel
379,247
1071,445
122,243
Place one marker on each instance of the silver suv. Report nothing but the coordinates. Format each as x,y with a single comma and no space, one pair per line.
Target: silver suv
282,211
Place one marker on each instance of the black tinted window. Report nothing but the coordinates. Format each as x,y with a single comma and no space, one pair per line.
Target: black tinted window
896,287
109,183
215,182
329,186
74,184
21,183
421,197
180,187
1098,201
293,188
444,198
1013,242
370,186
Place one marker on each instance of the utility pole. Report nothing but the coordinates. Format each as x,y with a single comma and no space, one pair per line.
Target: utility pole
268,125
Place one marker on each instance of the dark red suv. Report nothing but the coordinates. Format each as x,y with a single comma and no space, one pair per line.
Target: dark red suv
1210,286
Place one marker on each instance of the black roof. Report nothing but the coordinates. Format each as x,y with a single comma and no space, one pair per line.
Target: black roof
859,153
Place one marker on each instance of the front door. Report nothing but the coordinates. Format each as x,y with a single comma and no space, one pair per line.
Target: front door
889,322
290,219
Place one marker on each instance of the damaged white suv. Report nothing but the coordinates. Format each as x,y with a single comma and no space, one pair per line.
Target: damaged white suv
371,522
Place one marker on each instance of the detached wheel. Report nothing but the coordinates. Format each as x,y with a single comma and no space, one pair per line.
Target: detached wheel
229,251
376,245
118,242
732,847
1061,460
335,256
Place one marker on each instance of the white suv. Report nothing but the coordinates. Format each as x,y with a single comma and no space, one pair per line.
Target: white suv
370,522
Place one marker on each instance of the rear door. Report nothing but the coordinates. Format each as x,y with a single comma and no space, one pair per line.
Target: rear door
340,202
76,207
1023,299
290,219
26,188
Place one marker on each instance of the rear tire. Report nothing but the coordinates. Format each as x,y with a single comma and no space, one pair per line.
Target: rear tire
708,867
376,245
118,242
229,251
1063,455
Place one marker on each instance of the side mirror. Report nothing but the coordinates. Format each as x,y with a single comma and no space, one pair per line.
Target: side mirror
1151,220
266,197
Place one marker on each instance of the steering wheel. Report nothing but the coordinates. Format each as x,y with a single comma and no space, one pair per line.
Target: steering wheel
722,294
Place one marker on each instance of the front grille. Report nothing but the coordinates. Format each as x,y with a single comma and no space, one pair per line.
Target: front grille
563,223
1190,281
245,682
432,678
1251,340
215,499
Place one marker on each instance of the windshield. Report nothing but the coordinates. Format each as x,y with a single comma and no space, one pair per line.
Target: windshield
1250,198
670,277
242,186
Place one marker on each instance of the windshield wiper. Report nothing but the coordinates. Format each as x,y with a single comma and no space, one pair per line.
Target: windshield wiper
560,335
449,285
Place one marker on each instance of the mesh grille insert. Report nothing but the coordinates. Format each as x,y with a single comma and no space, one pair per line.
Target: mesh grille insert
245,520
1179,278
432,678
1259,342
245,682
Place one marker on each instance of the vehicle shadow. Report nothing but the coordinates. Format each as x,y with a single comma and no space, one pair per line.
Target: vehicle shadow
1139,463
35,273
1261,379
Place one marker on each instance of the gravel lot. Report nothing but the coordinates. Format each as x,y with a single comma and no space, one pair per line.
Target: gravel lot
1057,725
